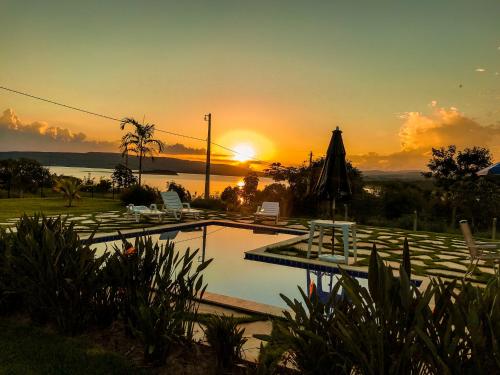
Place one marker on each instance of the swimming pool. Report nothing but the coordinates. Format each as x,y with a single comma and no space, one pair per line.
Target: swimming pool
230,274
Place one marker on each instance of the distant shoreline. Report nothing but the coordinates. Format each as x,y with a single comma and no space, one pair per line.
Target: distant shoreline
109,160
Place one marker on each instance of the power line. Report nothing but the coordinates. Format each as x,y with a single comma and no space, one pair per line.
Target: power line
60,104
118,120
90,112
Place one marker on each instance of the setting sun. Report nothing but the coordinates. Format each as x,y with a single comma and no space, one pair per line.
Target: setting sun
244,152
249,146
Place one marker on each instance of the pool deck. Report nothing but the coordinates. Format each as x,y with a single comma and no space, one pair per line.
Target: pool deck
432,254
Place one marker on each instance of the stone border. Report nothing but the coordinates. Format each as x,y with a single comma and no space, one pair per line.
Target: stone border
113,236
243,305
262,255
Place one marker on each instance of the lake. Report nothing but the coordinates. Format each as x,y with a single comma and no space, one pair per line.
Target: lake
195,183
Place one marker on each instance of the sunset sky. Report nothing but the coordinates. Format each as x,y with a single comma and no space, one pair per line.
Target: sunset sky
398,77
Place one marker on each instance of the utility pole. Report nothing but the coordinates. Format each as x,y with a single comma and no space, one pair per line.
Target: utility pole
309,178
208,118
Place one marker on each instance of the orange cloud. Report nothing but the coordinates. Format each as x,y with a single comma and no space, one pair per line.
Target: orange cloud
419,133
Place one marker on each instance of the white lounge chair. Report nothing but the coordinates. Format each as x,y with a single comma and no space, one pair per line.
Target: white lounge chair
139,211
478,251
172,204
268,210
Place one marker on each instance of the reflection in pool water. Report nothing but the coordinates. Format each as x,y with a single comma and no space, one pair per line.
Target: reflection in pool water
231,275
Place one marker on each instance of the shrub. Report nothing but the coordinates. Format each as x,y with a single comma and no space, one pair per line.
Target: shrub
184,194
8,300
305,339
57,275
140,195
227,341
231,197
159,291
208,204
104,185
389,328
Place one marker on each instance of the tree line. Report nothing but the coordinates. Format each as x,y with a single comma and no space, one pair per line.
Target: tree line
451,190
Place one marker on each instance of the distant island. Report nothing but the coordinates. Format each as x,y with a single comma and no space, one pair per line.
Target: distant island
164,172
160,165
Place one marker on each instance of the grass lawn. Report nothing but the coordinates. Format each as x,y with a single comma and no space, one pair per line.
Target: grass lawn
15,207
25,349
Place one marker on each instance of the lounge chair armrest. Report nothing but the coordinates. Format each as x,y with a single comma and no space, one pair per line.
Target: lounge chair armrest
186,205
258,210
153,207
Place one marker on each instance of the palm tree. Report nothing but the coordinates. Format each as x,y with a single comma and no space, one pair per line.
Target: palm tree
69,188
140,141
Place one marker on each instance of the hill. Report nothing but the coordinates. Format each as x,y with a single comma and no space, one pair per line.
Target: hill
110,160
376,175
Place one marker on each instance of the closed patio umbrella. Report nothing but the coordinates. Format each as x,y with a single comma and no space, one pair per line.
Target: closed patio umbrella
333,184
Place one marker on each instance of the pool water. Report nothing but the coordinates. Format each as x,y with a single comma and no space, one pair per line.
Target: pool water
230,274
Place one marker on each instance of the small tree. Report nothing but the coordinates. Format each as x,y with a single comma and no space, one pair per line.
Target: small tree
123,176
230,197
249,190
104,185
22,174
69,188
7,173
455,173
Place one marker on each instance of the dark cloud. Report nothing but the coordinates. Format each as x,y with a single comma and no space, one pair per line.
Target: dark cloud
180,149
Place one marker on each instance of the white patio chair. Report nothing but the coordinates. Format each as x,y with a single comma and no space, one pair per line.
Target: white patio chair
172,205
268,210
478,251
138,211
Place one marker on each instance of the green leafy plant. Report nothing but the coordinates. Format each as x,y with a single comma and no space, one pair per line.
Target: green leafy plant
226,339
378,329
463,333
57,275
8,300
305,339
69,188
159,295
391,327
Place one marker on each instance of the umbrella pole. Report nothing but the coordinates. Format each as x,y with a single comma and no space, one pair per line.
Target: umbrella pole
333,228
